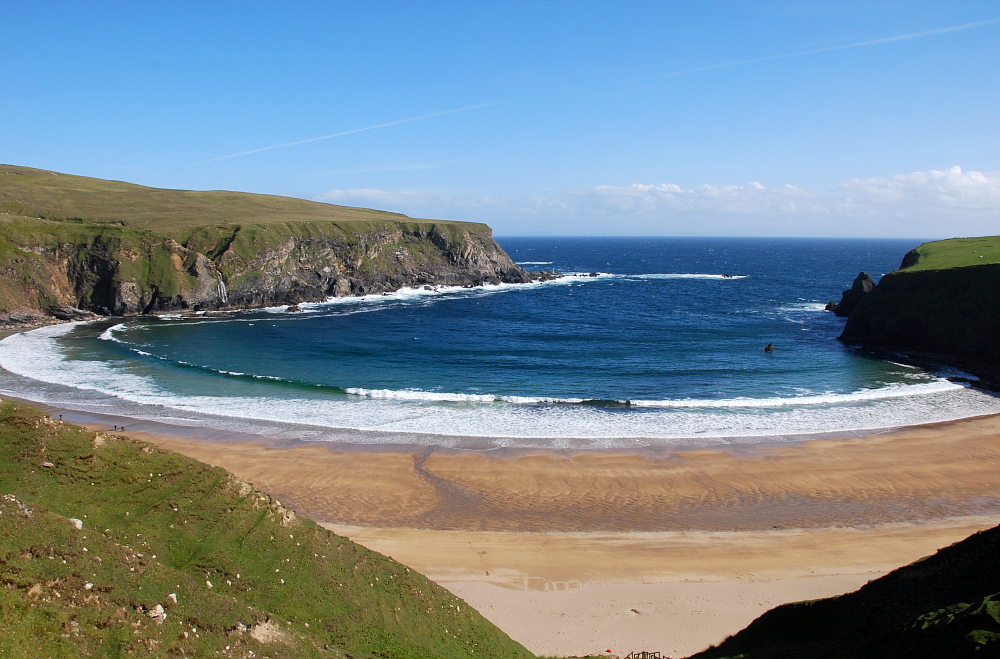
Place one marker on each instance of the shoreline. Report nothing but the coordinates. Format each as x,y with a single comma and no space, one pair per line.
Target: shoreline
213,424
351,439
869,478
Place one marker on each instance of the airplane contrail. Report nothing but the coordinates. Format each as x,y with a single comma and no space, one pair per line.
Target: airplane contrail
858,44
348,132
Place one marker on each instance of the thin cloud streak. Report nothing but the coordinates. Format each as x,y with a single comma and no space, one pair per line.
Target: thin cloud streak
859,44
350,132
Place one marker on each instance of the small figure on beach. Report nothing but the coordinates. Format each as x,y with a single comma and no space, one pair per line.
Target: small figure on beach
769,347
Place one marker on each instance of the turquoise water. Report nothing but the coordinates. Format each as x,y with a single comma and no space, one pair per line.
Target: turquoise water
659,347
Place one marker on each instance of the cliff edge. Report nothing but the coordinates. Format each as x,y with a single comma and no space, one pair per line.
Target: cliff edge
72,246
943,305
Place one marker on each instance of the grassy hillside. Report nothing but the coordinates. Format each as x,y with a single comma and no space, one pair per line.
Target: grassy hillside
39,193
116,248
945,605
953,253
178,558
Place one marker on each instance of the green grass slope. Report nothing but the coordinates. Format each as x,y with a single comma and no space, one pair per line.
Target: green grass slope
945,605
953,253
178,558
63,197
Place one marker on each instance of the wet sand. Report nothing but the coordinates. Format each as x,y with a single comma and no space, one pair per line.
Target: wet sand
924,473
671,550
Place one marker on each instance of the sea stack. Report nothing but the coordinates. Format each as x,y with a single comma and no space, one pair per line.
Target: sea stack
862,286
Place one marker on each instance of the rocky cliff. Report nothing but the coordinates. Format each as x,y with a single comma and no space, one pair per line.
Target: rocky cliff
943,305
863,285
70,245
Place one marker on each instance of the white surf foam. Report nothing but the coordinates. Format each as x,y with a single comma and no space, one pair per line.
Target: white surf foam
109,334
682,275
109,387
365,303
889,391
809,307
416,395
427,291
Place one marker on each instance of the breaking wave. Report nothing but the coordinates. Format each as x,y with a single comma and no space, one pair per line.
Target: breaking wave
43,370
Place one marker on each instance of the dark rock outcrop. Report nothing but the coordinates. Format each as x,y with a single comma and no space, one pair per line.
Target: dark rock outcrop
949,316
109,270
910,259
862,286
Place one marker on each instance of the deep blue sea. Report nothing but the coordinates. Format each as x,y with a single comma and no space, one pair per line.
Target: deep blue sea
659,348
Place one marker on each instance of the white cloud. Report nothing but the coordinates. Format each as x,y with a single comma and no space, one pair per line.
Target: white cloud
935,190
922,204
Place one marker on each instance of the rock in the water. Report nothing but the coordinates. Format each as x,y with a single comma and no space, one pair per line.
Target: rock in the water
70,313
863,285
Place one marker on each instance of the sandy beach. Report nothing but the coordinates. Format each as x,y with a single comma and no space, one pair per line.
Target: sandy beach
675,592
671,550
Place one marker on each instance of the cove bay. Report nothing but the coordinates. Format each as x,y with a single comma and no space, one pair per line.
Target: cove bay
641,341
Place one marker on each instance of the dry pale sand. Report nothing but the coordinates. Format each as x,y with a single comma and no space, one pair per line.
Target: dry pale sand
675,592
580,552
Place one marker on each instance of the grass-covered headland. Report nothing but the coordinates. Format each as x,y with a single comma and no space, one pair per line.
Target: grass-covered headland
942,305
112,547
71,243
953,253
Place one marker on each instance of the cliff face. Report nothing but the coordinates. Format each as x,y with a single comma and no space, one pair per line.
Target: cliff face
948,314
70,250
862,286
49,266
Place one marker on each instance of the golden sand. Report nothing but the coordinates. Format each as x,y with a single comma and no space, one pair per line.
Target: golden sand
579,552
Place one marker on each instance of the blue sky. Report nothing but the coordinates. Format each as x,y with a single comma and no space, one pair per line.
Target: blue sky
709,118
